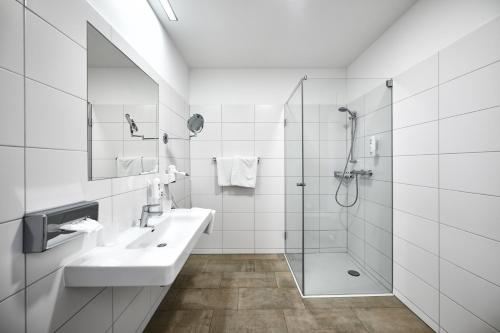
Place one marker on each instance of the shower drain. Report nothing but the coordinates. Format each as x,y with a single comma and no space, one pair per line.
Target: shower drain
352,272
161,245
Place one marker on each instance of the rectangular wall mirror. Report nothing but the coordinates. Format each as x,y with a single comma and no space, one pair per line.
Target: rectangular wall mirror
122,114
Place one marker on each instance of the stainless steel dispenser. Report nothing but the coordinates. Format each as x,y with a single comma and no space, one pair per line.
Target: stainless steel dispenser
41,229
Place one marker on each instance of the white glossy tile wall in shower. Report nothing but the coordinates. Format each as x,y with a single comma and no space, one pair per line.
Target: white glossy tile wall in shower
378,121
332,131
271,167
463,248
459,172
46,109
377,98
12,311
269,113
420,77
417,109
12,183
54,59
476,213
481,297
11,36
12,106
11,258
416,140
471,52
327,149
330,114
477,90
237,113
471,132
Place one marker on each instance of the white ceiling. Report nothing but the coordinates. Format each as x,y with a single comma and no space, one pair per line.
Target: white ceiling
278,33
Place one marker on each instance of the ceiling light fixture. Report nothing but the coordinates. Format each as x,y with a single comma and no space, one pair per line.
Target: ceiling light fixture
168,10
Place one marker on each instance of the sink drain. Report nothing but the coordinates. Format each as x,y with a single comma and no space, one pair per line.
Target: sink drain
161,245
353,272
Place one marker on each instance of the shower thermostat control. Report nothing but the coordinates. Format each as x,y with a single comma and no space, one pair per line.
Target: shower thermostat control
373,142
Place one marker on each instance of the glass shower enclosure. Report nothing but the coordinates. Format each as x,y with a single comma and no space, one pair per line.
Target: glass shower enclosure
338,188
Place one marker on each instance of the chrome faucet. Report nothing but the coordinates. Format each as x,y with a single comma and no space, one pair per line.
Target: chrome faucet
147,213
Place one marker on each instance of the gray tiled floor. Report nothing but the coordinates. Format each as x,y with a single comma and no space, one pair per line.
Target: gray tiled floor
256,293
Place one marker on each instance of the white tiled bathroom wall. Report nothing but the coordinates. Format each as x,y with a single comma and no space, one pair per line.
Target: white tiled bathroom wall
43,159
248,220
446,185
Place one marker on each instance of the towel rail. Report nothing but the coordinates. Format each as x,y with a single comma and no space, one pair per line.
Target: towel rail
215,159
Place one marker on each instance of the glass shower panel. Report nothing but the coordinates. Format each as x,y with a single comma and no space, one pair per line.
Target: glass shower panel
294,236
339,223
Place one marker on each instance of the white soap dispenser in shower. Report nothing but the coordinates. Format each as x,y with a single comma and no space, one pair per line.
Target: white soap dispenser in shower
373,143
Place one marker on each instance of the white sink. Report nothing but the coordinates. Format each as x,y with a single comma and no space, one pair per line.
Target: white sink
151,256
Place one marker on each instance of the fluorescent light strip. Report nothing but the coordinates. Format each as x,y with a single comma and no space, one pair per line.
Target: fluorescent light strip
168,10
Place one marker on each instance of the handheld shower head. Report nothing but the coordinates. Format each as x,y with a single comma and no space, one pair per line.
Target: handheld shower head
131,123
345,109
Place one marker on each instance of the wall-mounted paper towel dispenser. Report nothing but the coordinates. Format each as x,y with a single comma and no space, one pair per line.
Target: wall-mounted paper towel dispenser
42,231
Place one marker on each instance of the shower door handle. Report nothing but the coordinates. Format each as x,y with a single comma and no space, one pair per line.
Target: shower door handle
301,184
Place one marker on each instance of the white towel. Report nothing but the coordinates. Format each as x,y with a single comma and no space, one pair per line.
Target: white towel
128,166
244,171
224,169
86,225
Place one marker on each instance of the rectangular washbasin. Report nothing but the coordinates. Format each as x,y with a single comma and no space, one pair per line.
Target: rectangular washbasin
151,256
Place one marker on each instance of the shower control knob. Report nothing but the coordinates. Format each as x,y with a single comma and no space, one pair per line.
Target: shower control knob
301,184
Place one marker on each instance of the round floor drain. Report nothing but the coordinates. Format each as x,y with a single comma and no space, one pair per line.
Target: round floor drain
161,245
353,272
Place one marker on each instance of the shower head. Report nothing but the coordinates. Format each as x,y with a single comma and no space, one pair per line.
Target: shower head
131,123
345,109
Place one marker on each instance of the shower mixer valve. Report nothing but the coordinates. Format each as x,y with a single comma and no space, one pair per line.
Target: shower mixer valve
353,173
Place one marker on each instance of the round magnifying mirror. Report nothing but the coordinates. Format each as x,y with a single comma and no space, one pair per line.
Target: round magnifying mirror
195,123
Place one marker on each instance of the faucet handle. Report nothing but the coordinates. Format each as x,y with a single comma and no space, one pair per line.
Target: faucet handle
147,208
